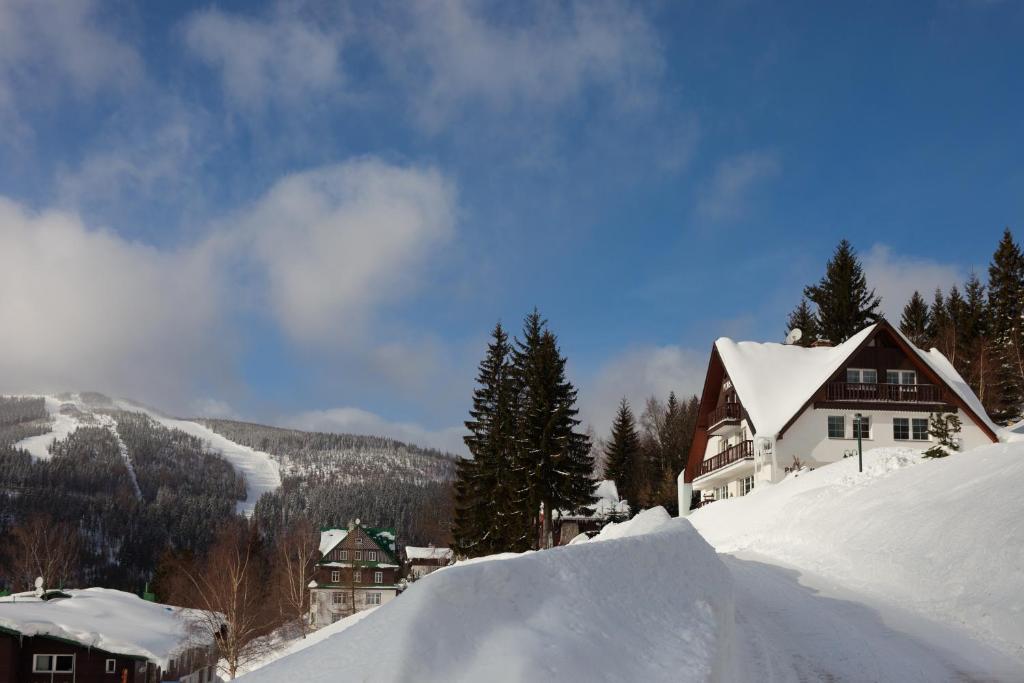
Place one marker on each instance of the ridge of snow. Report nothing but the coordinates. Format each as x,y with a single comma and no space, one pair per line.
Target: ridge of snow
429,553
547,615
63,425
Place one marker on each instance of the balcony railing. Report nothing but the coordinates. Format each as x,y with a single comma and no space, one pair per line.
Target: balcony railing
744,450
888,393
723,413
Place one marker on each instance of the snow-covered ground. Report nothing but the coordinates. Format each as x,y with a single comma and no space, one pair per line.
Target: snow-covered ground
617,609
919,564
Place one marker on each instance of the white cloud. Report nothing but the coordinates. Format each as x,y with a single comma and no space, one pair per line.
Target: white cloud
281,57
335,243
49,47
320,252
83,309
211,408
638,374
895,278
357,421
725,197
449,53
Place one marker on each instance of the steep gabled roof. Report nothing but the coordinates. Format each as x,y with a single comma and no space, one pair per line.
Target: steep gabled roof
383,538
774,381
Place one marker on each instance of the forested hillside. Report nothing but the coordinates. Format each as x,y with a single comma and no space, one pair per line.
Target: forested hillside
121,488
332,478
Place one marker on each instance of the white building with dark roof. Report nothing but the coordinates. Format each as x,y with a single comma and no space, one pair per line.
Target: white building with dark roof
768,407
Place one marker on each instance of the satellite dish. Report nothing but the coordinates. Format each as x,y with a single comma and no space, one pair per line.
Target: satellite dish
794,336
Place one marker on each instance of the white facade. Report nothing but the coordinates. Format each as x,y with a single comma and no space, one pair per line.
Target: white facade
806,401
328,605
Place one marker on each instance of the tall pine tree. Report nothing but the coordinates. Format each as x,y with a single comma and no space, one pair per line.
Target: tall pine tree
844,302
622,456
554,454
802,318
485,488
1006,308
915,320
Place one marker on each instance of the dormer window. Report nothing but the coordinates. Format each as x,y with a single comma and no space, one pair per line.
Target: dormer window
861,376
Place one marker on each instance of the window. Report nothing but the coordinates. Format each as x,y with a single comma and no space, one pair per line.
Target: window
919,429
746,485
722,493
359,540
861,376
338,598
378,577
359,554
372,598
836,427
357,576
335,576
862,427
372,556
111,666
900,428
53,664
343,555
900,377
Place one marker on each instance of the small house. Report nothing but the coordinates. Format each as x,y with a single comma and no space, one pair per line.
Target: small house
422,561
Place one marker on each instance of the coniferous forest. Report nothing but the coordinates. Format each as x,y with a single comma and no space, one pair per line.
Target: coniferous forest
979,327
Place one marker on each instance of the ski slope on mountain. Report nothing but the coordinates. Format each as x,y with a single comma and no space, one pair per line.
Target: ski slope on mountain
941,542
262,473
619,609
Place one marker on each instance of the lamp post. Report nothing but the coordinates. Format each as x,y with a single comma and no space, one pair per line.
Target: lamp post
858,425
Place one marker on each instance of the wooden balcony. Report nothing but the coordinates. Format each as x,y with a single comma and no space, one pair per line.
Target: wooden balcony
744,450
724,414
883,393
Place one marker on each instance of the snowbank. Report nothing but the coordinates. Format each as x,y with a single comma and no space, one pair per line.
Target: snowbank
941,538
592,611
112,620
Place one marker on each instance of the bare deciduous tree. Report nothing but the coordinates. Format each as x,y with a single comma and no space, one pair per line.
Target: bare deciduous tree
42,547
229,594
295,554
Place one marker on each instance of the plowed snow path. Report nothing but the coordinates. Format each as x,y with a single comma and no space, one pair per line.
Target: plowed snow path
787,630
261,471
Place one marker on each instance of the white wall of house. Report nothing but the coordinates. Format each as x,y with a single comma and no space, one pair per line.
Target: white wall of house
808,440
324,611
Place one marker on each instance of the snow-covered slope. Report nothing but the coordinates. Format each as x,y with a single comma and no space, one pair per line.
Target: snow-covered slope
261,471
943,539
614,610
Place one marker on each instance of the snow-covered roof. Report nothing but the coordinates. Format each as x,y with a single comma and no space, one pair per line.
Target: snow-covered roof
330,538
774,381
111,620
431,553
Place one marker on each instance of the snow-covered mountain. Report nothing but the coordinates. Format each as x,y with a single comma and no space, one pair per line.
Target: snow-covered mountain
910,571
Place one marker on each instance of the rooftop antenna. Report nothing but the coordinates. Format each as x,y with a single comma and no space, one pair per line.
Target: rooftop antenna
794,336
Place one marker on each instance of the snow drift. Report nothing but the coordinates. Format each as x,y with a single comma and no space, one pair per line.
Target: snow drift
940,538
642,606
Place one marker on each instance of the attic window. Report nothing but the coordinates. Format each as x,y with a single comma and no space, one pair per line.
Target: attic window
53,664
359,540
111,666
861,376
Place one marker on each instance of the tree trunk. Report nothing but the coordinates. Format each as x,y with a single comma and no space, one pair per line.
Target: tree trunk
547,530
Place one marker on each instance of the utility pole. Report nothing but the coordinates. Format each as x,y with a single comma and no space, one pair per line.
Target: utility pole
858,425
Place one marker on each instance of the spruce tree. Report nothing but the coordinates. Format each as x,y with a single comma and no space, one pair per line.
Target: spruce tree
943,429
1006,307
553,453
802,318
949,341
844,302
938,320
622,456
974,340
485,520
915,321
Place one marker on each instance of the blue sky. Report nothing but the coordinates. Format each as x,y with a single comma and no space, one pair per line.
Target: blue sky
312,213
